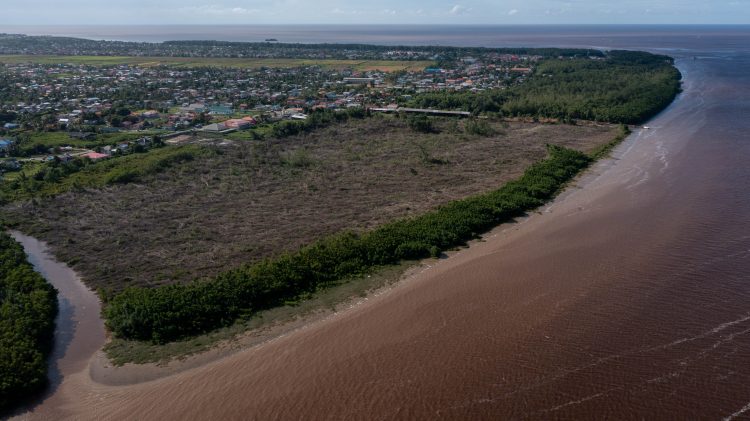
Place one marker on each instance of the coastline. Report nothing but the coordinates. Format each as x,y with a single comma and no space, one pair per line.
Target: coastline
488,245
104,372
623,296
100,373
101,370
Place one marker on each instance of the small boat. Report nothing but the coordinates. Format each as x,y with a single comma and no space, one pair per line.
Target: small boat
646,127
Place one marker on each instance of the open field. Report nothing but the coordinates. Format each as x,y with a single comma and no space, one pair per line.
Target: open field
56,139
360,65
253,199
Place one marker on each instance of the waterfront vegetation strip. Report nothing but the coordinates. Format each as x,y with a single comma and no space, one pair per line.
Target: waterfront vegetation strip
28,306
174,312
625,87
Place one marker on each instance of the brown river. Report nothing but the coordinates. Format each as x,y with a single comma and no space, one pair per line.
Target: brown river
626,298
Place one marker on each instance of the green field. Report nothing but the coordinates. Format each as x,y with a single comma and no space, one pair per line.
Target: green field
37,143
57,178
361,65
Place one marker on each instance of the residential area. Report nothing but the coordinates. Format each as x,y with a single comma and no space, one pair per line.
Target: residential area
62,110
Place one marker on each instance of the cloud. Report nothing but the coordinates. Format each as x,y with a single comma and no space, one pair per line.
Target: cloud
338,11
216,10
458,10
78,12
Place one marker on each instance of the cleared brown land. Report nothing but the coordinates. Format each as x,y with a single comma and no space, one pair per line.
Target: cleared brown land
254,199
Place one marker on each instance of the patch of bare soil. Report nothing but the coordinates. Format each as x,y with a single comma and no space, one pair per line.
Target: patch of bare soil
255,199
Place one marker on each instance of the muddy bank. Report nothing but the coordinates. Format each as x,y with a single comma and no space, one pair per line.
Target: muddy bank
79,330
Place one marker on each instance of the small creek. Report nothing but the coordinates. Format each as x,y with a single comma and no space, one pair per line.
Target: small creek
79,330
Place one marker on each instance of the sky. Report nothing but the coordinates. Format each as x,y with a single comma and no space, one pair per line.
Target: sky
98,12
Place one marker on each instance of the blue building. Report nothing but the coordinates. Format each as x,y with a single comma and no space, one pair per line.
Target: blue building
220,110
5,145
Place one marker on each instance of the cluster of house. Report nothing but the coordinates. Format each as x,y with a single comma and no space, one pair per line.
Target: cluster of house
70,96
47,45
231,124
68,153
5,146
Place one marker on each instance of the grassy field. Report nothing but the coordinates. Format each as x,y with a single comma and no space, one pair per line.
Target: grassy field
53,139
253,199
360,65
38,143
46,180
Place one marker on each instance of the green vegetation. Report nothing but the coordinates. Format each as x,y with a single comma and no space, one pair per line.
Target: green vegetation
627,87
285,128
58,177
421,123
33,143
28,306
479,128
173,312
264,325
359,65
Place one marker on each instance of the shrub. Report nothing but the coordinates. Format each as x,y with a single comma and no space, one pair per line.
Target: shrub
479,128
421,124
28,306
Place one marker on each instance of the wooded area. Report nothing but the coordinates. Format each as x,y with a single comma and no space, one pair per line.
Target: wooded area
626,87
28,306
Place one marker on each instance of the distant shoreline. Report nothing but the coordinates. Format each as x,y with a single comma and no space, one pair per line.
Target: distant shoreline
483,35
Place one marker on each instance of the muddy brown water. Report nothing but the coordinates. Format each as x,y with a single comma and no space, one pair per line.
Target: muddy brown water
627,298
79,330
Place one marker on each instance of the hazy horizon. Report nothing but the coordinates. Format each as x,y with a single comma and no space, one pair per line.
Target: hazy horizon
476,35
327,12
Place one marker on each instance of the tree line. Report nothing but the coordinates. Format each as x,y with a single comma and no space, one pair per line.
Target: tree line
48,45
28,306
315,120
626,87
